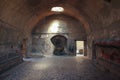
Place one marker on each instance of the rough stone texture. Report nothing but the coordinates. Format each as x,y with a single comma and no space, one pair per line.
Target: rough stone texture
10,62
96,20
95,16
9,39
57,68
67,24
68,27
27,13
9,46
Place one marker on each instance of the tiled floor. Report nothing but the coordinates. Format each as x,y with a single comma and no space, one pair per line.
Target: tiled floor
56,68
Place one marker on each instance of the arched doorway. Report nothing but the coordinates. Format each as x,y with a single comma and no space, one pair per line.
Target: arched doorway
64,28
60,44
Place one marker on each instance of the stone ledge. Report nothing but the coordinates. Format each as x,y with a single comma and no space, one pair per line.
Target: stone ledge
108,67
9,63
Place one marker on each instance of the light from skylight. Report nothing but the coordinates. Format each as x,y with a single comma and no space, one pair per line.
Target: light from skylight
57,9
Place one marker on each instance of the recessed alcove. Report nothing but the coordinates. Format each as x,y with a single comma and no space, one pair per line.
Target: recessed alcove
51,26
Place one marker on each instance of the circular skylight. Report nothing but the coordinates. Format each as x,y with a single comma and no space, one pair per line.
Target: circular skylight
57,9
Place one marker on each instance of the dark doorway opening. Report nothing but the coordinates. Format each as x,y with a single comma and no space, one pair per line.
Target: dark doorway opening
60,44
94,55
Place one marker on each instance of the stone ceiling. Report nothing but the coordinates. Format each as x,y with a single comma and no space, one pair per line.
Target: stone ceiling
25,14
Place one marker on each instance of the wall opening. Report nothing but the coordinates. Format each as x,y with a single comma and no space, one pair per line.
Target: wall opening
60,44
79,48
53,25
94,55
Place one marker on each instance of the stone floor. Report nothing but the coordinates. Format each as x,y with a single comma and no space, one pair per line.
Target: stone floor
56,68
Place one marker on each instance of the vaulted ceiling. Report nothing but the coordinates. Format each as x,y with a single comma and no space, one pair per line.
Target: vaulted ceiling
25,14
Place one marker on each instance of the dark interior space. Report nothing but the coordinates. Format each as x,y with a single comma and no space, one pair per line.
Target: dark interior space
60,43
50,30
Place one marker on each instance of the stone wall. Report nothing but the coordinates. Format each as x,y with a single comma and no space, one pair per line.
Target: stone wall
109,38
42,45
9,46
67,26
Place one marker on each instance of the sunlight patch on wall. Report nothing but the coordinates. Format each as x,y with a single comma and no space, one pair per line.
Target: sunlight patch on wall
54,27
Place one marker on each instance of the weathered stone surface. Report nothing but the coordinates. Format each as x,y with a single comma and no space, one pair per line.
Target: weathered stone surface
57,68
88,20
